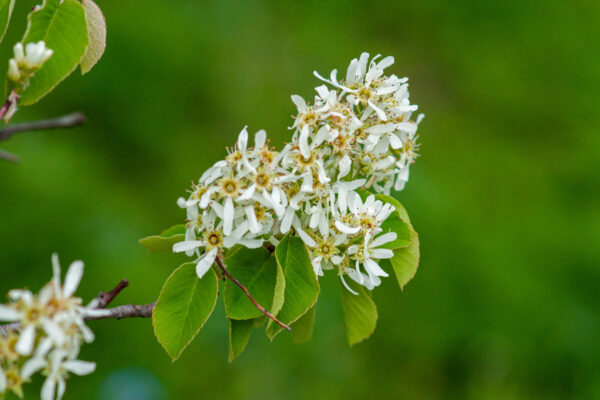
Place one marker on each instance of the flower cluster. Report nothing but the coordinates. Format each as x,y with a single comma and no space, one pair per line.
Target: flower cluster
48,334
21,68
358,133
27,60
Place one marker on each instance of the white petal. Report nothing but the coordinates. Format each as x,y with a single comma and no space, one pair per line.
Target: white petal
299,102
2,381
32,366
9,314
385,238
249,210
48,388
286,222
260,139
373,268
378,110
26,340
344,165
205,262
55,271
242,141
303,142
307,182
74,275
228,214
79,367
346,285
247,194
187,245
346,229
382,253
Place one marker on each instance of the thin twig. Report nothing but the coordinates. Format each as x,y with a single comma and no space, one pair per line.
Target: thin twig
5,155
261,308
66,121
104,298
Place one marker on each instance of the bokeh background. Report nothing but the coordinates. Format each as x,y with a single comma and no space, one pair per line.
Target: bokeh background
506,195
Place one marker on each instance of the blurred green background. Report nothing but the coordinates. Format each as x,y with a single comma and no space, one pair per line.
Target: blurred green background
506,195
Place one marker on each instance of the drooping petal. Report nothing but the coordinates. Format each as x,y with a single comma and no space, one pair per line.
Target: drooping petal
48,388
346,229
206,262
346,285
385,238
79,367
32,366
374,269
382,253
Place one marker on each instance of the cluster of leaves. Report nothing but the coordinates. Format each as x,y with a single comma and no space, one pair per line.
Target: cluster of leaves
74,30
282,280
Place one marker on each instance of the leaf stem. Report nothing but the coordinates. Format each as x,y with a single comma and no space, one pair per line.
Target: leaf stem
261,308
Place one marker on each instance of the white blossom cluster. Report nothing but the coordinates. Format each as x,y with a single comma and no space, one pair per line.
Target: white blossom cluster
358,133
27,60
50,332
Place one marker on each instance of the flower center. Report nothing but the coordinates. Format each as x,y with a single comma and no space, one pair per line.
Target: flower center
214,239
229,186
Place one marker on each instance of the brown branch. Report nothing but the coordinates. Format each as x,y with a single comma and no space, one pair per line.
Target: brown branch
261,308
144,310
126,311
66,121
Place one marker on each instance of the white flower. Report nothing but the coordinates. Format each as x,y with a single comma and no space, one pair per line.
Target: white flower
367,255
27,60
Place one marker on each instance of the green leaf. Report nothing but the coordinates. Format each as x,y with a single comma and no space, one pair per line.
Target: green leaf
360,313
184,305
303,328
239,334
6,8
257,270
174,230
61,24
301,286
166,240
405,262
96,26
403,233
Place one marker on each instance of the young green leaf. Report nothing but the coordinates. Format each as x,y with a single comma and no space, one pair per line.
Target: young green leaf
303,328
257,270
61,24
360,313
96,26
164,241
6,8
239,334
405,261
184,305
301,286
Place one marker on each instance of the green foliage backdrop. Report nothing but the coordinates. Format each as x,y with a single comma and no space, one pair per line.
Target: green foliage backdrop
505,197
